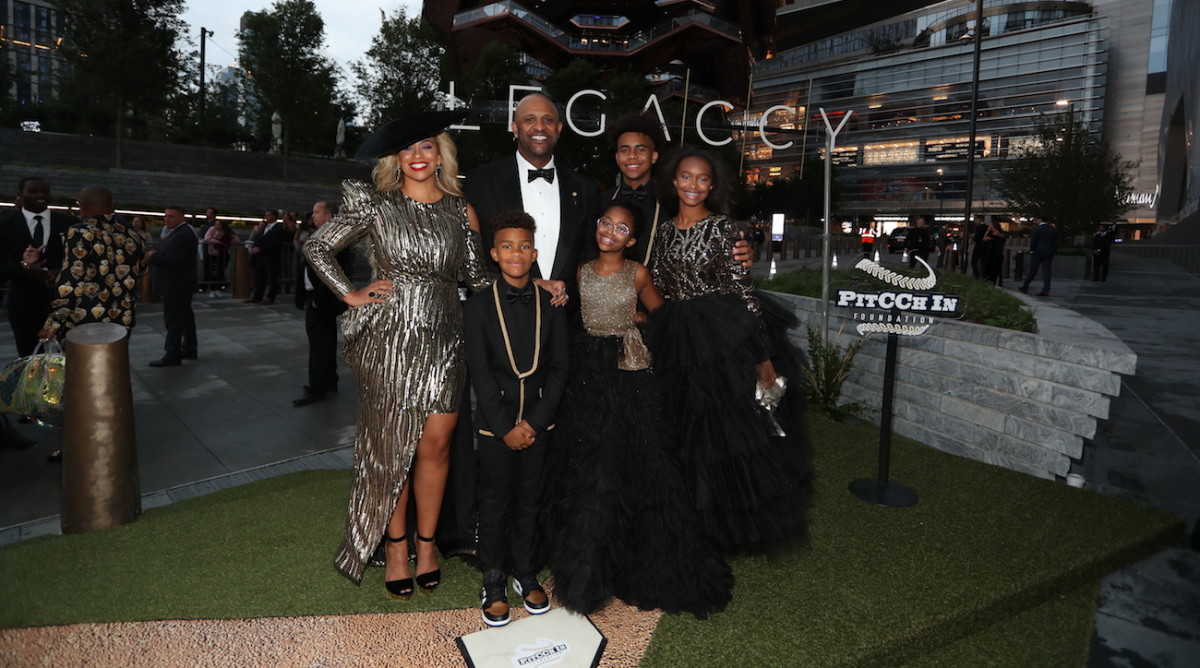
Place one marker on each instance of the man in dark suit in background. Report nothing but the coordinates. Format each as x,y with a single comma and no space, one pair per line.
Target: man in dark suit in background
1043,246
321,310
561,200
173,266
1102,243
265,254
918,243
31,254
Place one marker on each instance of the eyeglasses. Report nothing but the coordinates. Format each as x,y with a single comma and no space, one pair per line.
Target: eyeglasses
620,228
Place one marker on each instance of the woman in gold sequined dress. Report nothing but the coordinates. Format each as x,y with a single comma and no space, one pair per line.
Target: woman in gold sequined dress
403,337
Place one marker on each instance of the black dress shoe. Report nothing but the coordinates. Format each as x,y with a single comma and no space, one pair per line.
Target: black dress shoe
189,356
309,397
167,361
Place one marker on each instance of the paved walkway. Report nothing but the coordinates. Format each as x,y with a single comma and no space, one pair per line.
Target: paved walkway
227,419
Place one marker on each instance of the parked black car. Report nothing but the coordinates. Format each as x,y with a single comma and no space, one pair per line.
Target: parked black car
896,239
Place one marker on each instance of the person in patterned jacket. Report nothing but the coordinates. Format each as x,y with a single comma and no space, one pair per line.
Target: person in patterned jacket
104,263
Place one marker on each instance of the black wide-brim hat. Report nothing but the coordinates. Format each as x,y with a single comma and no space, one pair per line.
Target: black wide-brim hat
403,132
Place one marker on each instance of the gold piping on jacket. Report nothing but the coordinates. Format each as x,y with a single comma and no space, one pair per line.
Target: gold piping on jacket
537,344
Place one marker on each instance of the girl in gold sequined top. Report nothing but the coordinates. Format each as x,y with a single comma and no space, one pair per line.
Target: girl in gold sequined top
711,347
625,525
403,337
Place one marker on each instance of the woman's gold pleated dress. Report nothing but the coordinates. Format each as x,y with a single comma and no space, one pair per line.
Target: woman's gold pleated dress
406,354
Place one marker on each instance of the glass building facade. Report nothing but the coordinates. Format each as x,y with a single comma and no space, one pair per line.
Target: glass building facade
906,83
30,32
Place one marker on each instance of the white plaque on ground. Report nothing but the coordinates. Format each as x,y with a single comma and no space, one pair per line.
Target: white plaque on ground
559,638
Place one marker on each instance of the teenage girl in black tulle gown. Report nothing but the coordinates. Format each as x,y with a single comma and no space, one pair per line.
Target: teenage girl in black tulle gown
749,476
625,525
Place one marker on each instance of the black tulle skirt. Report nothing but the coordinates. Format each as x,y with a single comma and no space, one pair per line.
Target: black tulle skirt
751,486
623,522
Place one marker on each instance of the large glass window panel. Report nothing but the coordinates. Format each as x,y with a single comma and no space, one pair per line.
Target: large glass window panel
1158,54
22,21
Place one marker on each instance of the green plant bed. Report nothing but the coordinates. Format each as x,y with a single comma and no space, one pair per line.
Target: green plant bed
980,302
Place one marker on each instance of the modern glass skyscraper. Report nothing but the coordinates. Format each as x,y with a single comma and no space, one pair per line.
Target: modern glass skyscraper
906,81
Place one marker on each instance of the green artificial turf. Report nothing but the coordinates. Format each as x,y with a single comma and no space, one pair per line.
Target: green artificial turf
1056,633
983,550
881,586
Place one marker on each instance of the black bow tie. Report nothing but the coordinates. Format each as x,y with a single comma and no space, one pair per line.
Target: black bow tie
626,192
525,294
547,173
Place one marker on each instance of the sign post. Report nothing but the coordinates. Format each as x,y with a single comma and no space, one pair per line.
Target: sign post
899,312
880,490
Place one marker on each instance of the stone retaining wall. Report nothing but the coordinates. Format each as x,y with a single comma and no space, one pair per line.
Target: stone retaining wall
1017,400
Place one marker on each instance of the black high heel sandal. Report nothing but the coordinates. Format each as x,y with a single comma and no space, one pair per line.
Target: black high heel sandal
399,589
428,581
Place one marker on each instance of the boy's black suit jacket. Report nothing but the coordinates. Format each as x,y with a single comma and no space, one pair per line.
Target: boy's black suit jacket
496,187
497,388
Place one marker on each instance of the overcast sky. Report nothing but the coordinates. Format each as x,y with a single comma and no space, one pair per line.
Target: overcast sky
349,25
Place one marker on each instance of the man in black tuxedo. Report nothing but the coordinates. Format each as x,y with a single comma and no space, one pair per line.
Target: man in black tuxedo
31,254
174,269
561,200
265,253
321,310
563,204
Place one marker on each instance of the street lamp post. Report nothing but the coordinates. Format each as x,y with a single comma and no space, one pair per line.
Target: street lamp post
970,186
203,33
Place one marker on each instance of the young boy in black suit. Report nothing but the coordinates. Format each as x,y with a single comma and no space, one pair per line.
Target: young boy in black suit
517,357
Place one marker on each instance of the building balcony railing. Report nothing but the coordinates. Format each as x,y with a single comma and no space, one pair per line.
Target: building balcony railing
614,43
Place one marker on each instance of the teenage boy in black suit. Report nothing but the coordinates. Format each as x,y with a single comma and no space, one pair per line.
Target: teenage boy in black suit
636,141
517,357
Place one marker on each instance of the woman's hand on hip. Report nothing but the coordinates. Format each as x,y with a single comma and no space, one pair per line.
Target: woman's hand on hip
376,292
